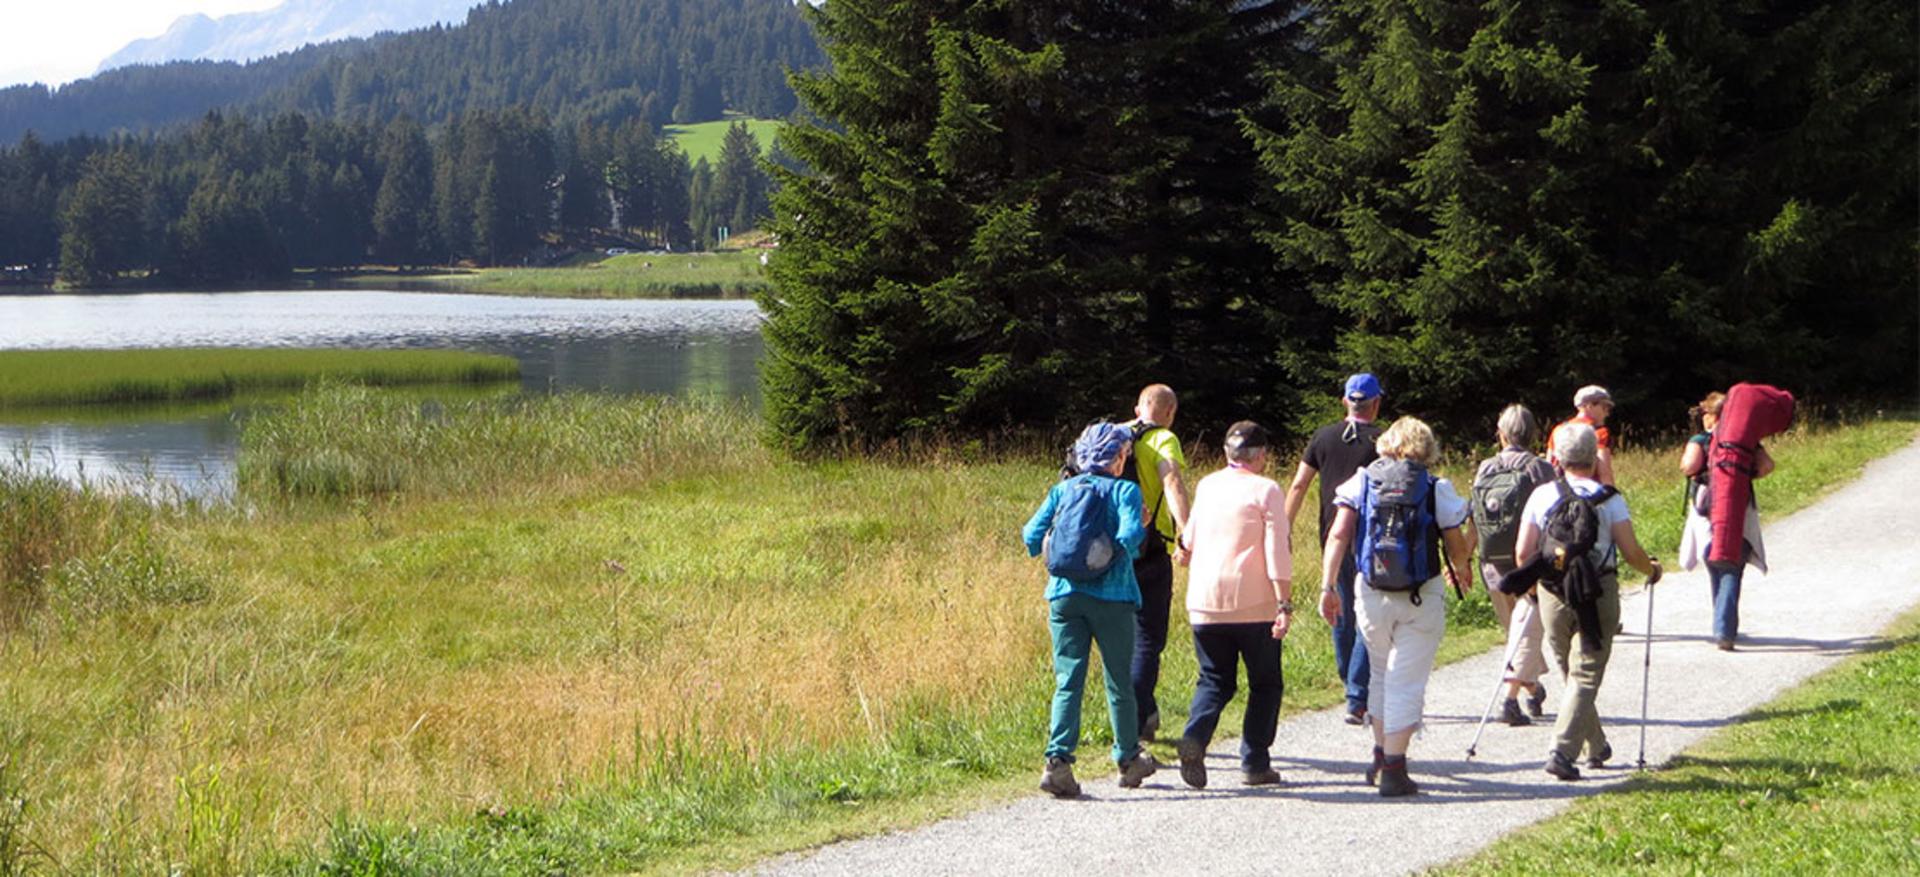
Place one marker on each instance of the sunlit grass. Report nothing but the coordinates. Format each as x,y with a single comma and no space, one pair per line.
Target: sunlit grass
570,634
1821,780
635,275
69,377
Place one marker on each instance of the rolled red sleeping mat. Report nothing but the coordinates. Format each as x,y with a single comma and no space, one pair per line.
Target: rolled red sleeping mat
1750,413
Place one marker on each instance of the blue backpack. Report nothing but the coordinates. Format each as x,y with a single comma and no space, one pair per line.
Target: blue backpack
1084,539
1399,530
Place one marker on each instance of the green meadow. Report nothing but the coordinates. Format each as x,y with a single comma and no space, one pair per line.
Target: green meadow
566,634
81,377
702,140
633,275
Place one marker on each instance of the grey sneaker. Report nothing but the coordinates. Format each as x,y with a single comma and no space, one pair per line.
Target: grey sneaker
1267,777
1193,762
1597,760
1537,702
1057,779
1136,769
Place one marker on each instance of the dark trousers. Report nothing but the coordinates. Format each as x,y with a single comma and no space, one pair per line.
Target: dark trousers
1349,649
1221,649
1725,584
1155,574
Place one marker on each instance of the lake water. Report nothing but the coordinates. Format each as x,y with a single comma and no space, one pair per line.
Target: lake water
650,346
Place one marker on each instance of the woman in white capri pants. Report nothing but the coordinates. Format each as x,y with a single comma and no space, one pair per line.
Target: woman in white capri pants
1402,628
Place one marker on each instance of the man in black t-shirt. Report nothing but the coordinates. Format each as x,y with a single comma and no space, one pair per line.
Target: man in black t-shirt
1336,451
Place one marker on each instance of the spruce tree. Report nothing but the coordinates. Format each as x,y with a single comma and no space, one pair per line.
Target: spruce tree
1511,198
403,208
1016,214
101,227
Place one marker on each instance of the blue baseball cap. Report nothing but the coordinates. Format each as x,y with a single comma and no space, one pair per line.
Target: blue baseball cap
1099,445
1362,387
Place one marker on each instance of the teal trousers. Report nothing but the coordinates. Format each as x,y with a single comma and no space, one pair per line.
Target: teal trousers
1079,623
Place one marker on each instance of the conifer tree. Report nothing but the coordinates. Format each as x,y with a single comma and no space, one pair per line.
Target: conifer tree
1015,214
1511,198
403,208
101,225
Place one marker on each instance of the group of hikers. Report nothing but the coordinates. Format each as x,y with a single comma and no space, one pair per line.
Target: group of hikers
1550,533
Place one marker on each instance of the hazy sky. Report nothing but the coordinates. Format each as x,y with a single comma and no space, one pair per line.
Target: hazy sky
54,41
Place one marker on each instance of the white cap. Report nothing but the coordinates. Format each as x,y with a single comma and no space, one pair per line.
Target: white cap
1590,394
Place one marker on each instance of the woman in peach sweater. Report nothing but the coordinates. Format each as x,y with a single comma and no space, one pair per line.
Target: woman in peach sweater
1240,603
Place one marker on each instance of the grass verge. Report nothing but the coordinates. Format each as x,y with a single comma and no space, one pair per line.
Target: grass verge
1825,779
634,275
573,635
76,377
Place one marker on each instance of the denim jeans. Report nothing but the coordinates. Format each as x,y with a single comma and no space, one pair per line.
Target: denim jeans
1349,650
1726,598
1155,575
1079,623
1221,649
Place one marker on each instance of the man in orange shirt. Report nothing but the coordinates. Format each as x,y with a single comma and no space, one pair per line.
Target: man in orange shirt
1592,405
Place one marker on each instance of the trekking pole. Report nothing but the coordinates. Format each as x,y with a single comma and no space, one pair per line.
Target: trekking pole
1505,663
1646,674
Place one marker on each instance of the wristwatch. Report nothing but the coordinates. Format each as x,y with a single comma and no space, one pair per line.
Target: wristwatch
1286,607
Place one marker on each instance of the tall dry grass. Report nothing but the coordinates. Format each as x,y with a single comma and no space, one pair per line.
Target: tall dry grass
577,634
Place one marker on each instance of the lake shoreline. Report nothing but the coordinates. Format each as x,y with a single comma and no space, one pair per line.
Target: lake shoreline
718,275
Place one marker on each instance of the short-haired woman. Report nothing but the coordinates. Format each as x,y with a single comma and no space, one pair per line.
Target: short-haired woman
1508,478
1402,629
1240,603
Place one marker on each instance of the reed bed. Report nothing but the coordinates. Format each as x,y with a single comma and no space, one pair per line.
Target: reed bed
70,377
579,634
635,275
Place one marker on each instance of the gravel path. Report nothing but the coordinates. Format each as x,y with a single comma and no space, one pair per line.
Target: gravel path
1844,568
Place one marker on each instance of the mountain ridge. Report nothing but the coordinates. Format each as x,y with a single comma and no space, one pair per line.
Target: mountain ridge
293,24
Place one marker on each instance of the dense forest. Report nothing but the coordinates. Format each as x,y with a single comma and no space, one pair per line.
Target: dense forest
1016,214
231,199
659,61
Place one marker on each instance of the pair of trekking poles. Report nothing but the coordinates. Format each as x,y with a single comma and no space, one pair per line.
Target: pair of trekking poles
1646,675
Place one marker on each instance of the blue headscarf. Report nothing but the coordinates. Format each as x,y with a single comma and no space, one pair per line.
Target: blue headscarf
1099,445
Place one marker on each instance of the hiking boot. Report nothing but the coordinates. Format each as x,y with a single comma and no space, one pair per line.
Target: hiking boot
1193,762
1724,644
1379,761
1357,717
1263,777
1599,760
1137,768
1394,782
1511,714
1537,701
1150,728
1562,767
1057,780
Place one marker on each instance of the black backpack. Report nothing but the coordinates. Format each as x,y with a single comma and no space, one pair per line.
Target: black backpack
1566,545
1499,496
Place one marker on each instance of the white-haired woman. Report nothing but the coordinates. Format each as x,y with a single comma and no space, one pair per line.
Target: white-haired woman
1399,514
1501,487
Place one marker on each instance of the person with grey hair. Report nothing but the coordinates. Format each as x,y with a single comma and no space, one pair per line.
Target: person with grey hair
1239,603
1580,637
1500,491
